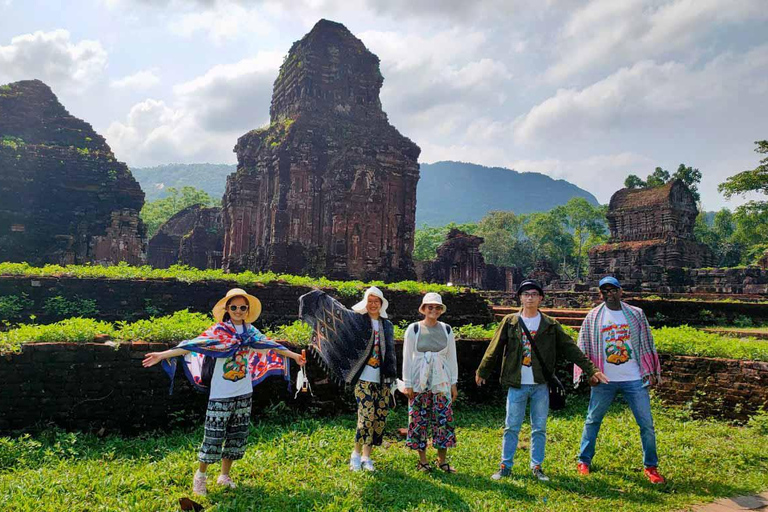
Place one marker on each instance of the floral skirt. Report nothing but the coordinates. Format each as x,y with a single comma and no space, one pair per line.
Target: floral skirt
433,411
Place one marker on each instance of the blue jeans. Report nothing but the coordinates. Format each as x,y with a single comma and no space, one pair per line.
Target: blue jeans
639,401
517,399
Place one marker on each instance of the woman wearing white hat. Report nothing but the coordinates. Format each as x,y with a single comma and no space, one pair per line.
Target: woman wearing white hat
357,347
430,373
227,360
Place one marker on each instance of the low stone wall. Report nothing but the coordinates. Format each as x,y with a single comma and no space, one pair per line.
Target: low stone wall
122,299
726,388
93,386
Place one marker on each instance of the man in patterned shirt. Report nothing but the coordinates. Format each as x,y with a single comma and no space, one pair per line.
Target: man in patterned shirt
617,339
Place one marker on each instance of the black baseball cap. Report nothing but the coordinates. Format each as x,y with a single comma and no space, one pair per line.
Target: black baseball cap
529,284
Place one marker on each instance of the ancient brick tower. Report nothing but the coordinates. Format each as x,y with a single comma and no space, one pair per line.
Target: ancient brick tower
651,234
64,198
329,187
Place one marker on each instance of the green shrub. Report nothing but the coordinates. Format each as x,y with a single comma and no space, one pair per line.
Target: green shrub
71,330
686,340
11,306
475,332
759,422
62,307
298,332
743,321
182,325
189,274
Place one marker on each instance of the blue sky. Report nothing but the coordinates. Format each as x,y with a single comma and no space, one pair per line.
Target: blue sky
585,90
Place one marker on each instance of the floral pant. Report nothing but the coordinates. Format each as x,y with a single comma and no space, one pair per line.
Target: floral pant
430,410
372,409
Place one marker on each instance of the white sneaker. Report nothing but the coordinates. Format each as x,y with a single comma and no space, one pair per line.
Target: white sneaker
198,484
354,461
368,465
226,481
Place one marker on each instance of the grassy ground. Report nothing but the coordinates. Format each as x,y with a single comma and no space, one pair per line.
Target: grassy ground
299,463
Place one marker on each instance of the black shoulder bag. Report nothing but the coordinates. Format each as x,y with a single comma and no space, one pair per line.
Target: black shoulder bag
556,388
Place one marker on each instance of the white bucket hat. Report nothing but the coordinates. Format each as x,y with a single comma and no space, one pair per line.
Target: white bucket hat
360,307
254,305
431,298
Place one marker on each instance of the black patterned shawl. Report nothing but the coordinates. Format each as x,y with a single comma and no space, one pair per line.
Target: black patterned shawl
343,339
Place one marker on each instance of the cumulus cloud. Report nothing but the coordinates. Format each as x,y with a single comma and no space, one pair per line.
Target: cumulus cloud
606,32
53,58
644,94
139,81
205,118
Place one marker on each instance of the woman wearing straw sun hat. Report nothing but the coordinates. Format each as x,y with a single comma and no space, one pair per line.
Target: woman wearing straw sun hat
430,373
227,360
357,347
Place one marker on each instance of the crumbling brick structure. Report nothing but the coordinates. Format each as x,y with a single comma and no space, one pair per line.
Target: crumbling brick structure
193,237
329,187
651,233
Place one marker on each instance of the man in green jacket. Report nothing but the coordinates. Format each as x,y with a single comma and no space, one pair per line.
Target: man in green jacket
521,373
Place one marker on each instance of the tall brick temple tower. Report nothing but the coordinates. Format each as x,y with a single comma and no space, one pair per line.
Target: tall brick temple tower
329,187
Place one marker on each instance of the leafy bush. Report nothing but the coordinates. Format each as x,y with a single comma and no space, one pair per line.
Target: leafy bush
62,307
759,422
11,306
686,340
743,321
71,330
189,275
298,332
182,325
475,332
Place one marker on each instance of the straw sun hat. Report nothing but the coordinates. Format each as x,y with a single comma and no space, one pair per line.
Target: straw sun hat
254,305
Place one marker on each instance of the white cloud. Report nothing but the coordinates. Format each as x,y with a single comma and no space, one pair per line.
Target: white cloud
53,58
139,81
644,95
608,33
205,119
222,21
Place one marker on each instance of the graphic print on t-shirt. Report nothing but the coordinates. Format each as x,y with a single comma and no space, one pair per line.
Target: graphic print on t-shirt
527,348
375,360
235,367
617,348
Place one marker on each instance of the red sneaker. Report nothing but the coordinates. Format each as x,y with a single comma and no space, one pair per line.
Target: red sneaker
582,468
654,476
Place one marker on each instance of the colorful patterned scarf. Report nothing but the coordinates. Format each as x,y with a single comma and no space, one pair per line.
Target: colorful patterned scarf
343,339
591,342
223,340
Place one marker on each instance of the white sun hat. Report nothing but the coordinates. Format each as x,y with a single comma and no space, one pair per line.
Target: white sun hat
431,298
360,306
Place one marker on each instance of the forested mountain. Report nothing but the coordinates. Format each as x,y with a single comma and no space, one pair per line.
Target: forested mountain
447,191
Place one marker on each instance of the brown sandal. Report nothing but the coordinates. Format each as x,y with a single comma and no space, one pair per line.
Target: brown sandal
446,467
424,468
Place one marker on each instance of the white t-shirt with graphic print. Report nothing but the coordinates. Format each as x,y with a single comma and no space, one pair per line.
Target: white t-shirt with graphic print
526,375
372,371
621,363
231,375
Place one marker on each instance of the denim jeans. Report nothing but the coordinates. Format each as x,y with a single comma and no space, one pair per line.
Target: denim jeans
639,402
517,399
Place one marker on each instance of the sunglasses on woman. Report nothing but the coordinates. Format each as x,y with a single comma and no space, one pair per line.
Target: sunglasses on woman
431,307
235,308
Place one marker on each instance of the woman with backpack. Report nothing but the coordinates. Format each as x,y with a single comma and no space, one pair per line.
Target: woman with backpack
227,360
430,373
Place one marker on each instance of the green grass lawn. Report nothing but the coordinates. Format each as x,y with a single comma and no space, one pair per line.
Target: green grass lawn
300,463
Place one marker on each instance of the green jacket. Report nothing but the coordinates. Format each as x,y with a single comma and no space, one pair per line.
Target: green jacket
553,343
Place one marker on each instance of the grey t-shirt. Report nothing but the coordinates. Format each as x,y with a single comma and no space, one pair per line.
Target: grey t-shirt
431,339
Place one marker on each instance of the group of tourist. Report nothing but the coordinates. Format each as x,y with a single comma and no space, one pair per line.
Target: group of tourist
615,353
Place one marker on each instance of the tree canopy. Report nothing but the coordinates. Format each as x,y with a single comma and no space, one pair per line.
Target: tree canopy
156,213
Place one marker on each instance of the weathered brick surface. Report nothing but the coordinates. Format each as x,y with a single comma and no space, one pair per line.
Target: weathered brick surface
90,386
119,299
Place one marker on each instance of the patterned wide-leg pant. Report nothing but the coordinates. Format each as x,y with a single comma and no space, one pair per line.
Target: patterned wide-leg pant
372,409
432,411
226,429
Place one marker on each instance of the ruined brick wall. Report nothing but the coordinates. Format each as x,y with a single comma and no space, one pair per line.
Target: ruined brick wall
194,237
329,188
651,231
118,299
90,386
64,198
